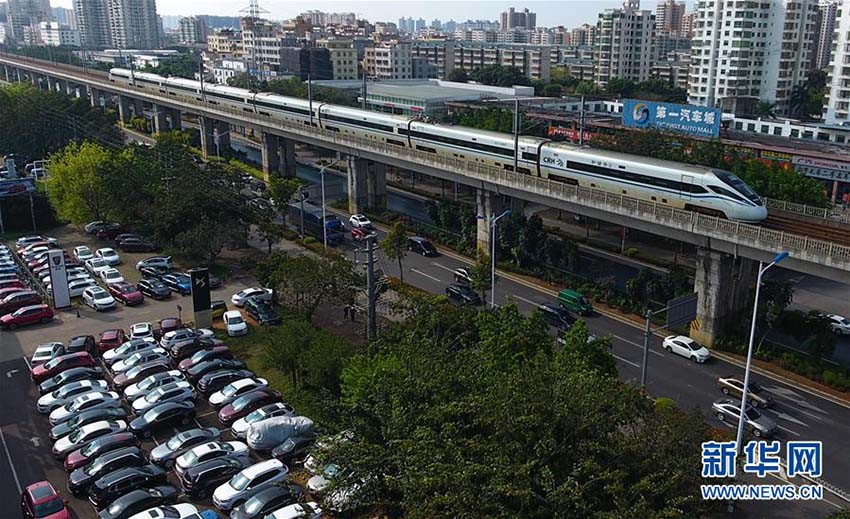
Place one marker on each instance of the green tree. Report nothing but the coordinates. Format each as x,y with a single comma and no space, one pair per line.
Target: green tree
500,75
765,109
621,87
75,186
269,230
579,353
553,90
844,513
395,246
281,191
183,65
481,275
458,75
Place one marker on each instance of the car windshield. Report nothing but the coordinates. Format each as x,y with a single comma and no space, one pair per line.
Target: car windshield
51,363
253,416
738,185
230,390
176,441
98,263
82,251
126,289
48,508
243,401
752,414
76,435
153,397
239,481
253,505
100,296
234,319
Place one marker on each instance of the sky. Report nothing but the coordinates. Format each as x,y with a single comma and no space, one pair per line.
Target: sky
568,13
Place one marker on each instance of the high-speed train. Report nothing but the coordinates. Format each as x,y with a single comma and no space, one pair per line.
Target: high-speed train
695,188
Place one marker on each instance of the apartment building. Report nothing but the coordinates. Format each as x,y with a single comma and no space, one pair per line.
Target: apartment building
389,60
55,34
534,61
343,57
674,68
837,109
92,18
668,17
825,29
225,43
191,29
584,36
134,24
513,19
624,43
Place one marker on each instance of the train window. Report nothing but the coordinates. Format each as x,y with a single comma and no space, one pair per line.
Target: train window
507,167
654,199
725,192
663,200
592,185
425,148
529,156
624,191
395,143
524,170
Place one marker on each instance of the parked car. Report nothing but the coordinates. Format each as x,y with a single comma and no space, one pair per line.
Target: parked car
15,299
78,287
180,283
236,389
154,288
200,481
238,299
83,253
82,343
125,236
309,510
86,402
557,316
104,444
172,337
139,358
167,413
235,324
686,347
463,294
63,395
759,425
109,231
179,391
86,417
135,244
241,425
756,394
209,451
169,324
295,449
143,330
69,375
98,298
96,265
128,349
138,501
176,511
81,478
55,366
137,373
166,454
218,308
115,484
155,273
25,240
40,500
189,347
217,352
46,351
12,283
85,435
108,255
110,339
156,261
93,227
111,276
214,381
359,220
25,316
126,293
248,482
840,325
267,501
422,246
261,311
200,369
157,380
247,403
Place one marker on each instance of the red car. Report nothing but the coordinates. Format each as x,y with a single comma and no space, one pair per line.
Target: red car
111,339
19,299
6,292
360,233
106,443
169,324
41,501
11,283
246,403
26,248
59,364
126,293
26,315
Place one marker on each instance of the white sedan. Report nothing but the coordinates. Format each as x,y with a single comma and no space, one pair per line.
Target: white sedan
178,511
234,323
235,389
83,253
141,331
840,325
98,298
173,392
96,266
686,347
239,298
77,287
108,255
359,220
111,276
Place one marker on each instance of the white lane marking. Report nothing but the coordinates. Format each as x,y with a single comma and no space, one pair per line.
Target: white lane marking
11,465
626,361
788,430
29,367
529,301
639,345
788,417
426,275
11,372
449,269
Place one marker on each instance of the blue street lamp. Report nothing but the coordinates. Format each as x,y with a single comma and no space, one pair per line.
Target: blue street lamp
762,269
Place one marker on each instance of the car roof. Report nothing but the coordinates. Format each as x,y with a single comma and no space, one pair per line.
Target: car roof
41,491
232,313
258,468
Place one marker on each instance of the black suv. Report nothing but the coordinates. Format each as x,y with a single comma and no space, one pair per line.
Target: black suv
421,246
80,479
154,288
138,501
215,380
115,484
201,480
463,295
80,343
556,316
295,449
261,312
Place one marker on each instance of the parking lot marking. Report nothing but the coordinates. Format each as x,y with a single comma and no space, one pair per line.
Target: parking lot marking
11,464
208,413
11,372
443,267
29,367
198,424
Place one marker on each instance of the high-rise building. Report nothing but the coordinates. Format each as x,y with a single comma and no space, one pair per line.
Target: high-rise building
837,107
389,60
23,17
133,24
191,30
420,24
92,18
55,34
624,43
827,10
343,57
64,16
306,62
513,19
668,17
584,36
688,21
744,52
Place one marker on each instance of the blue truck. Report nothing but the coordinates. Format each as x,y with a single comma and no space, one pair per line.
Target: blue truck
313,222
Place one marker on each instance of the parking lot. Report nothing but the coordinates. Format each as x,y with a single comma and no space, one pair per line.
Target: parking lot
24,433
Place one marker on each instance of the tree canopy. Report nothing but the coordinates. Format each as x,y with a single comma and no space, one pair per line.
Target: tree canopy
499,75
294,87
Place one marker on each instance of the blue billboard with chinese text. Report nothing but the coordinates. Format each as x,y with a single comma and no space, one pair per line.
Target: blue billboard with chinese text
698,121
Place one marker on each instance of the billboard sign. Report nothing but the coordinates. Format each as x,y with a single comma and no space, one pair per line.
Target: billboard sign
59,279
18,186
698,121
200,289
822,168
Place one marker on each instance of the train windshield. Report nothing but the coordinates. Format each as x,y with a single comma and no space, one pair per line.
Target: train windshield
738,185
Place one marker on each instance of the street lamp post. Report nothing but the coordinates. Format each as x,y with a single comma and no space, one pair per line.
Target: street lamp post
491,224
324,223
762,269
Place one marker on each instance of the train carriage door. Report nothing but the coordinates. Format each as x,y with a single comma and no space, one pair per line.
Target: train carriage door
686,187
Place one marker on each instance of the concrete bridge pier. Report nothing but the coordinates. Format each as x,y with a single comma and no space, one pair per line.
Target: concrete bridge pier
51,84
7,76
725,285
176,118
20,75
278,156
490,205
215,136
94,97
376,180
138,108
358,184
123,109
160,120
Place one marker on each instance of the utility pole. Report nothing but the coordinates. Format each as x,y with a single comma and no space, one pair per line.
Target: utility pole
516,135
581,123
363,89
371,326
310,97
301,201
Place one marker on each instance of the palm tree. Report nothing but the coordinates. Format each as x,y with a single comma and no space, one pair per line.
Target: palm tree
798,100
765,110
